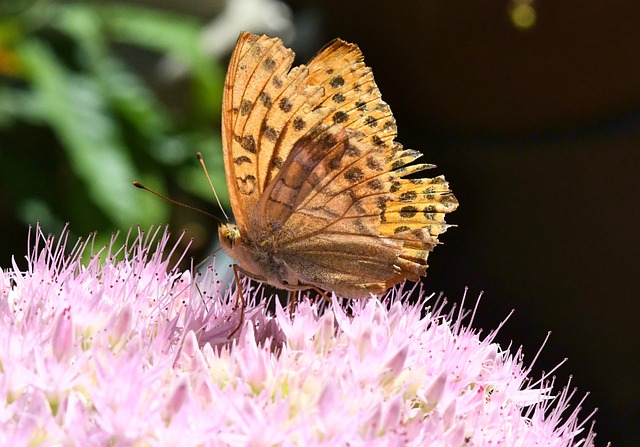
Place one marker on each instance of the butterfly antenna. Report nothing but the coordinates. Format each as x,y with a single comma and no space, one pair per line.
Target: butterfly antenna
215,194
175,202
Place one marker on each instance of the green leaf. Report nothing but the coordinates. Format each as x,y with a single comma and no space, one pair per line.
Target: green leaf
123,89
176,35
165,32
131,97
18,104
76,110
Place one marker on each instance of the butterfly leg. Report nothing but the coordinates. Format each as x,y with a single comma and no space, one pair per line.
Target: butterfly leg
292,302
197,268
296,291
328,298
239,296
211,256
321,293
202,297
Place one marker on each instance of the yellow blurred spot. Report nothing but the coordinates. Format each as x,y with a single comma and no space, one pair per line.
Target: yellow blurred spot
9,63
523,15
10,34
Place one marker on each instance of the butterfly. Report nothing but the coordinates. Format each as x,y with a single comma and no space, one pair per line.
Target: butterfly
316,181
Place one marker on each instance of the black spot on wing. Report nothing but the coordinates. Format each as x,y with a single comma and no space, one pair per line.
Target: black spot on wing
265,99
269,64
354,175
285,105
340,117
298,124
242,159
245,107
247,142
336,82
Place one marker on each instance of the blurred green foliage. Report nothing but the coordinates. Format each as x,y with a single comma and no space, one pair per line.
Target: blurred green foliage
83,113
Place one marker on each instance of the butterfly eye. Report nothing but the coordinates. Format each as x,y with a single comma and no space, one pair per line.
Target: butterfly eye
228,234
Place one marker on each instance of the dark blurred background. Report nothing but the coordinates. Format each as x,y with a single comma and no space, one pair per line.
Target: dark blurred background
530,109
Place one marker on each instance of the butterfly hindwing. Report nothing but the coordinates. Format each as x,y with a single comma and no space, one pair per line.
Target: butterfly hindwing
342,196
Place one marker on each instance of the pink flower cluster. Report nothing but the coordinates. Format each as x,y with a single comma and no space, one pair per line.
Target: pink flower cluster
119,348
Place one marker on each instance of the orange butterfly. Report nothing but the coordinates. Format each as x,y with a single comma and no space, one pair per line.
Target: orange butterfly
315,178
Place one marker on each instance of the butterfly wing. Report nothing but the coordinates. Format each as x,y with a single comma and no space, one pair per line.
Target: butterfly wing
269,106
344,217
266,104
313,171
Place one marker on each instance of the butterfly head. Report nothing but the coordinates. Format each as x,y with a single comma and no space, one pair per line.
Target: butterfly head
228,235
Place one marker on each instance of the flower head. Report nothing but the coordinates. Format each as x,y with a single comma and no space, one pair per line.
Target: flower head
120,347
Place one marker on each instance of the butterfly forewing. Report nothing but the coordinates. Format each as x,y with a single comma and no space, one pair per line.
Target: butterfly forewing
266,109
352,98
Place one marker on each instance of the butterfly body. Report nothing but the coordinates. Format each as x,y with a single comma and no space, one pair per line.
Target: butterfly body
259,258
315,179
